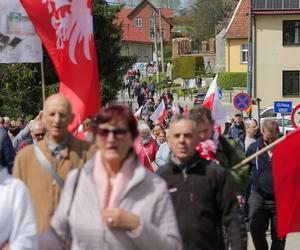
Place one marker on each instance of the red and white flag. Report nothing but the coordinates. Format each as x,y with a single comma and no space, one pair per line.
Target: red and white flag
79,133
138,113
160,113
212,101
66,30
186,110
286,174
175,109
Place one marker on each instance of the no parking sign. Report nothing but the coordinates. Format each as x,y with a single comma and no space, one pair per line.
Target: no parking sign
296,116
242,102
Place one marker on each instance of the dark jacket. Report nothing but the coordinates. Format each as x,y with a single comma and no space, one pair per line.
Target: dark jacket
229,154
204,199
242,137
7,155
261,171
235,131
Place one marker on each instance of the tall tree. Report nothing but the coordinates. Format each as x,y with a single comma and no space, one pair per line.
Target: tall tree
208,13
108,38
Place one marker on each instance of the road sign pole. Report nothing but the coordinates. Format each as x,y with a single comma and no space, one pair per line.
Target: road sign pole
283,123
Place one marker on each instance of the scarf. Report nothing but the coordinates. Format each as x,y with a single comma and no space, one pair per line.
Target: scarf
208,148
146,141
110,190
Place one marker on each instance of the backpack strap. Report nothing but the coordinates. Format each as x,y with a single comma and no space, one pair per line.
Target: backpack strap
47,166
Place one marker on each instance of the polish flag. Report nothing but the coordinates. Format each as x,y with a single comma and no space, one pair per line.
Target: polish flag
186,110
160,113
138,113
175,109
212,101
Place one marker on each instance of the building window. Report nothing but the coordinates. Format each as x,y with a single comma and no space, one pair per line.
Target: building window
291,32
291,83
138,22
151,22
163,33
139,51
146,52
244,53
152,34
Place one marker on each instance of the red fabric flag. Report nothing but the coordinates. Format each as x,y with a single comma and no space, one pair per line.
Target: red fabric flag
160,113
186,110
213,102
286,176
66,30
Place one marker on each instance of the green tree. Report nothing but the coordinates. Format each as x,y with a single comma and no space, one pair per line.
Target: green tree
207,14
108,38
20,89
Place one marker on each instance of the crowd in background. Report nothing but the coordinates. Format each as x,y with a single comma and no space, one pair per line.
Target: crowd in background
198,202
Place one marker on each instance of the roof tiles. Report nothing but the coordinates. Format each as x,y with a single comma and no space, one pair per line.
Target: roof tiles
239,23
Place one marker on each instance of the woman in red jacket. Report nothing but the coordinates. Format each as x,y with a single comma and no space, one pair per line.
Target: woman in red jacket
145,146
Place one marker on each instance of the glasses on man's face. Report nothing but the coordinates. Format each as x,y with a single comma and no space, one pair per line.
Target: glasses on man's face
39,135
118,133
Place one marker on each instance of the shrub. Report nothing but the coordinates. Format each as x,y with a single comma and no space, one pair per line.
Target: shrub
187,67
228,80
180,93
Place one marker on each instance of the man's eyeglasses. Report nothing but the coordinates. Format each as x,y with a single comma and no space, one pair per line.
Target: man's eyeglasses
39,135
119,133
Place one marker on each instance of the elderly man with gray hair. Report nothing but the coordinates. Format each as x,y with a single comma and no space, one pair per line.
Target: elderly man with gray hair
262,200
250,135
32,133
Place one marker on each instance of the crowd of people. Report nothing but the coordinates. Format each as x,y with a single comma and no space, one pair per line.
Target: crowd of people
135,183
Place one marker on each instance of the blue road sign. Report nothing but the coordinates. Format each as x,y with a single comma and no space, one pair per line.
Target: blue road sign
283,107
242,101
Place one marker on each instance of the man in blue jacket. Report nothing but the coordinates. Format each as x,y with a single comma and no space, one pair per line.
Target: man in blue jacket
262,201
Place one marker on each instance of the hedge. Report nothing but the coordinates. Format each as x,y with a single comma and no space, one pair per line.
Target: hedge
228,80
187,67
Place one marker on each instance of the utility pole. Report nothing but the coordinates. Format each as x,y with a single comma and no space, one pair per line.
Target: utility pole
250,53
155,49
161,43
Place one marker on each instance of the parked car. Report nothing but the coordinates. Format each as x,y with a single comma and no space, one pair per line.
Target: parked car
288,126
199,98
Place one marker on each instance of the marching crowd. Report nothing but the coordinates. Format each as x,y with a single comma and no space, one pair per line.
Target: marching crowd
135,183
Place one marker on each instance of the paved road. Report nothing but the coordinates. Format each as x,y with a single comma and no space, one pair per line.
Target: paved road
229,108
292,242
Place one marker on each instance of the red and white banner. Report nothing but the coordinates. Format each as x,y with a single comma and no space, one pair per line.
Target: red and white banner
175,109
212,101
66,30
160,113
138,113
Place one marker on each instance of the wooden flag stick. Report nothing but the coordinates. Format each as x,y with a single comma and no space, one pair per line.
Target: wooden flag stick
251,157
43,81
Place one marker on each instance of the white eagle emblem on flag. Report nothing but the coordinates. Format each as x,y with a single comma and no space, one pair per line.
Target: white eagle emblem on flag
71,25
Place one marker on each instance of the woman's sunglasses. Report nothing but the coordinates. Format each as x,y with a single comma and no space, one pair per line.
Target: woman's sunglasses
119,133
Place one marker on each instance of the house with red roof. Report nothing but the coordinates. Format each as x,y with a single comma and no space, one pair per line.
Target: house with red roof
236,35
138,29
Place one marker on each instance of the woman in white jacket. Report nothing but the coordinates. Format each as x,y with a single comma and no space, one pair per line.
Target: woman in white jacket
17,221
